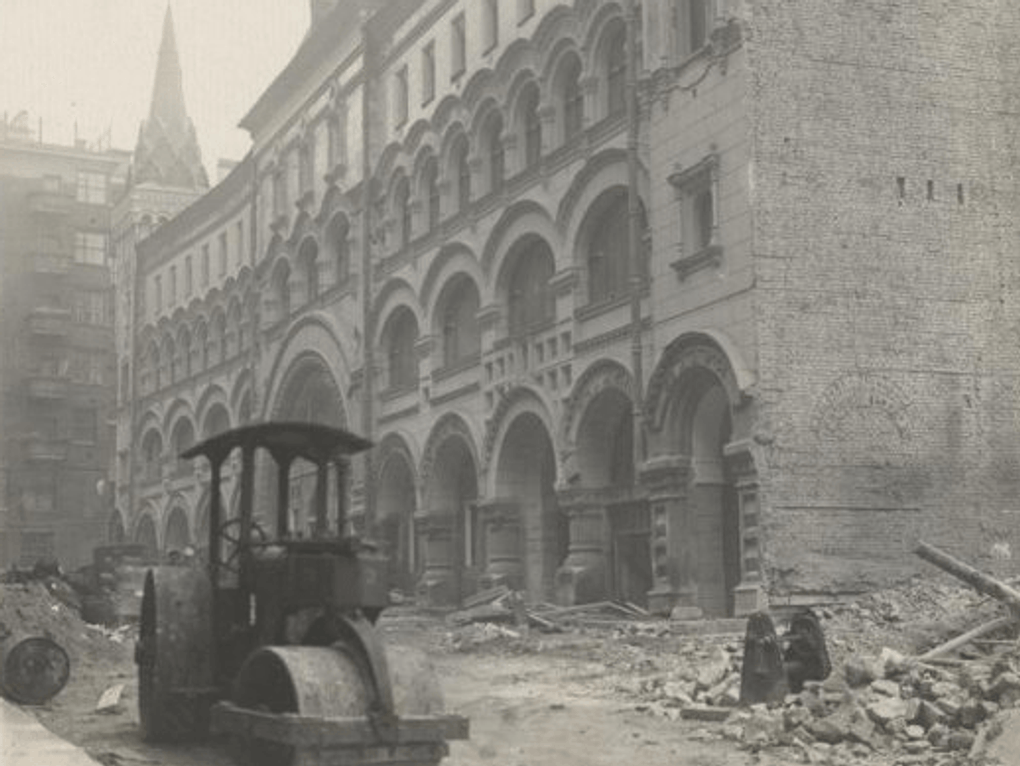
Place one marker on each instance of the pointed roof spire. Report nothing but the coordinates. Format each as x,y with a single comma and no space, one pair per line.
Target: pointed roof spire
167,152
168,91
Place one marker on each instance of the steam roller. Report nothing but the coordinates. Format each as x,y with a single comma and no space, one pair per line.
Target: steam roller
273,643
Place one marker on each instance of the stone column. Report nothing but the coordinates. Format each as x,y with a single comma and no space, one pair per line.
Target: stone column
504,546
581,579
438,583
674,559
749,596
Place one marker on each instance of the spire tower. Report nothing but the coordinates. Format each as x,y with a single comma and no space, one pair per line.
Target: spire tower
167,152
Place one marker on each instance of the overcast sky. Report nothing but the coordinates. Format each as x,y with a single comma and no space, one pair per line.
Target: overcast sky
93,62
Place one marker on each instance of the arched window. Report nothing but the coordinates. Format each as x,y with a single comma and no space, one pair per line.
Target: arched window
339,247
459,317
493,137
606,247
233,329
281,291
430,187
400,337
572,98
217,338
529,297
531,123
308,260
200,356
217,420
183,438
168,358
152,455
402,211
462,172
616,71
184,353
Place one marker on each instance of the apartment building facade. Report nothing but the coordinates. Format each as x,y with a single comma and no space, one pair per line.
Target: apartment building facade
695,350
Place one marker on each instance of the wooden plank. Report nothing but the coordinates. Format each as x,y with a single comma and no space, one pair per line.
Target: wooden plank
298,730
965,638
485,596
975,578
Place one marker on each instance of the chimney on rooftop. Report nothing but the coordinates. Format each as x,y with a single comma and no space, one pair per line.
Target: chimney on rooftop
320,8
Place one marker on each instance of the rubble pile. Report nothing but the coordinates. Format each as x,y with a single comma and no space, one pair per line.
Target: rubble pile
32,609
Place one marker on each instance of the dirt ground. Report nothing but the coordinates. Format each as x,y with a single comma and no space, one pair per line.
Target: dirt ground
588,695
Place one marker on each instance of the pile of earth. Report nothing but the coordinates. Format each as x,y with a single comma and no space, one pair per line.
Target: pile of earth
31,609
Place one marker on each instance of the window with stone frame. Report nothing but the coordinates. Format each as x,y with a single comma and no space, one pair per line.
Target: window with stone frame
400,96
460,329
616,70
697,193
402,212
428,72
462,172
400,339
490,25
531,123
430,189
530,299
693,21
607,249
571,98
458,47
337,240
493,138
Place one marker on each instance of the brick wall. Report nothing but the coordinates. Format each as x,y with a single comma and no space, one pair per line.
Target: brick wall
885,242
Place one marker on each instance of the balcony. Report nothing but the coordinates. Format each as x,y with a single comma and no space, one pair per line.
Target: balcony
45,449
49,322
50,202
48,387
46,262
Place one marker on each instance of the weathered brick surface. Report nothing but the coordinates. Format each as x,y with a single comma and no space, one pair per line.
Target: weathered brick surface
885,310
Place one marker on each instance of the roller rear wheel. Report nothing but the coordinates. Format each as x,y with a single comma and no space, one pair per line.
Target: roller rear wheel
173,655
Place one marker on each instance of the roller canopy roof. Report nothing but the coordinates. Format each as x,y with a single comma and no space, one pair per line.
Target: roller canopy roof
286,440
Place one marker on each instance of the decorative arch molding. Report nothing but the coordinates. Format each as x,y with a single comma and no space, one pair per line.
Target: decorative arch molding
396,292
333,202
449,426
149,513
448,112
555,56
150,421
520,55
595,28
392,158
559,23
512,403
602,375
452,258
476,89
177,410
710,351
313,335
396,445
214,395
605,170
297,371
521,218
244,384
303,227
415,135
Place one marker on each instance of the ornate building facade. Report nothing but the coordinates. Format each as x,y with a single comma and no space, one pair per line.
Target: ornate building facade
633,300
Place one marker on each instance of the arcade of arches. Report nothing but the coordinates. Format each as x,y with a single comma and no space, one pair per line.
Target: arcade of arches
578,523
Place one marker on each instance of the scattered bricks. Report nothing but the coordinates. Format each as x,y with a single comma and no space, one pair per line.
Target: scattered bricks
726,693
916,746
972,712
892,662
860,671
812,698
960,740
950,706
794,717
913,731
714,669
862,730
886,687
1005,684
989,708
938,735
705,713
762,728
829,729
928,715
945,689
885,710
